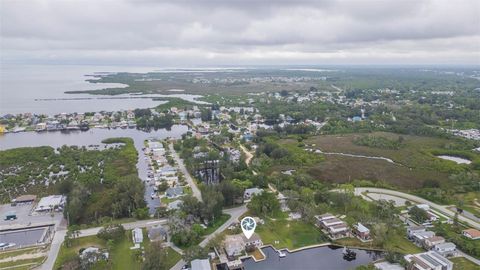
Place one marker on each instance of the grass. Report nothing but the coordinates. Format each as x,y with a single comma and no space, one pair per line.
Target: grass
212,227
68,253
173,257
9,254
461,263
121,256
290,234
395,242
22,264
415,160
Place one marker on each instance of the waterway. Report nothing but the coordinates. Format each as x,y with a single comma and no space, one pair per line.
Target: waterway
457,160
41,90
328,257
95,137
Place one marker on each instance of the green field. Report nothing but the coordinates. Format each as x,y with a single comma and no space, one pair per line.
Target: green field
461,263
21,264
396,242
121,256
290,234
414,161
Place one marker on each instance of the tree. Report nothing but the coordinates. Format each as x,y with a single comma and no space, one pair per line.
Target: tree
212,205
155,257
114,232
265,204
418,214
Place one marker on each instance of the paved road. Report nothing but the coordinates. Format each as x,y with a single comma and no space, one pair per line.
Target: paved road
234,213
441,208
60,237
183,169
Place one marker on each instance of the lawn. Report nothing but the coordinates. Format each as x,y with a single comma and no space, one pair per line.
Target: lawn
461,263
121,256
290,234
14,253
395,242
21,264
212,227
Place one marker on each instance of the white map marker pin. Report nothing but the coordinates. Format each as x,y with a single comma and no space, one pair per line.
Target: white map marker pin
248,225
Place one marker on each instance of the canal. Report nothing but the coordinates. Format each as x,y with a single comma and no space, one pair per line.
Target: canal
321,258
95,137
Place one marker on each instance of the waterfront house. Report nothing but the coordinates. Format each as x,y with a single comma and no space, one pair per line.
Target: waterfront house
430,260
157,232
234,245
137,236
253,242
446,249
388,266
174,192
362,232
473,234
250,192
430,242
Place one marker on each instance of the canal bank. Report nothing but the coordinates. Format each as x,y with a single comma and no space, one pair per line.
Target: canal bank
95,137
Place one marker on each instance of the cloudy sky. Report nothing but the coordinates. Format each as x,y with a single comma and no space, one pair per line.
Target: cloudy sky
244,32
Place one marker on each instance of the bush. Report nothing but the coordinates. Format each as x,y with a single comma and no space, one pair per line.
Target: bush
114,232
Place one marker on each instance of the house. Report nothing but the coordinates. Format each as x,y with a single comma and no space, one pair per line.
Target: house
338,231
430,260
414,229
473,234
419,237
175,205
253,242
198,264
234,245
137,236
362,232
250,192
446,249
388,266
174,192
429,243
157,232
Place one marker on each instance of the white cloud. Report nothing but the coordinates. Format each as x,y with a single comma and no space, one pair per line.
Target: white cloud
243,32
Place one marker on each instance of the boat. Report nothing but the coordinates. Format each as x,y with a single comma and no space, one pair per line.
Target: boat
348,254
281,254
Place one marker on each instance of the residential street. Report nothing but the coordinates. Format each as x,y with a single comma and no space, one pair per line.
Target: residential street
183,169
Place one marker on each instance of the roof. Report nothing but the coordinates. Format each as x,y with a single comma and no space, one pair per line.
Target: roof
435,239
255,237
388,266
175,191
201,264
253,190
175,204
26,198
47,203
446,245
362,228
473,232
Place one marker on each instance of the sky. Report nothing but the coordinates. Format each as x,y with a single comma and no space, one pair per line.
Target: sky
189,33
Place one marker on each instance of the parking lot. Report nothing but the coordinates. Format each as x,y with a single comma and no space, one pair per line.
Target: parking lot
26,217
25,237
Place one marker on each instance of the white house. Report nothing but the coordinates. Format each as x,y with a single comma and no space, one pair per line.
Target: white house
446,249
250,192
